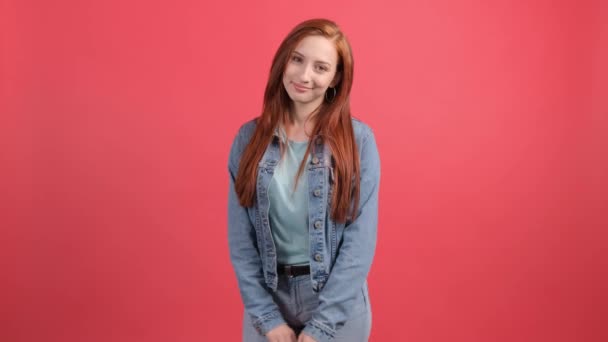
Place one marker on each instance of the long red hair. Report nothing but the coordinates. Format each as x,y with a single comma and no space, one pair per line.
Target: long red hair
333,123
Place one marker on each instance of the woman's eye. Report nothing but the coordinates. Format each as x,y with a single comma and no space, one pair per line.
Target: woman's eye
322,68
296,59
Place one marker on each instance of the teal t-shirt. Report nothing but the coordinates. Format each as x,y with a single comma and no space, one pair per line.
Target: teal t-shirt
288,212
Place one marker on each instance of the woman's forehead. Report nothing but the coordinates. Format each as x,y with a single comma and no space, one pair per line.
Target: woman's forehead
318,48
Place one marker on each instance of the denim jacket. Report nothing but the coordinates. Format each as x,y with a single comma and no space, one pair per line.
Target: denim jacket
340,253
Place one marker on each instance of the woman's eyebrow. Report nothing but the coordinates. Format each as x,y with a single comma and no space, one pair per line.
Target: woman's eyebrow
318,61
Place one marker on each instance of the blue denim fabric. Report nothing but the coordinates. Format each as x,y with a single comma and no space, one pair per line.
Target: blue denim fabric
340,253
297,302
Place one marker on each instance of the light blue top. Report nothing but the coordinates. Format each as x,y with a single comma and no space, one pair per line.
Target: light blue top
288,212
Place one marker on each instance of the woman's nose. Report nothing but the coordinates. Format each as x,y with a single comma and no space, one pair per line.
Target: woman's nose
305,73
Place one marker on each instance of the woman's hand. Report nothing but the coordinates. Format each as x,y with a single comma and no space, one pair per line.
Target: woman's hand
282,333
305,338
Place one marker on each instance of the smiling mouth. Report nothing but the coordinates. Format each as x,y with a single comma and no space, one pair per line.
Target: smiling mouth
299,87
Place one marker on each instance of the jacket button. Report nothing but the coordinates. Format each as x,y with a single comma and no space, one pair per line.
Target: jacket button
317,192
315,160
318,224
318,257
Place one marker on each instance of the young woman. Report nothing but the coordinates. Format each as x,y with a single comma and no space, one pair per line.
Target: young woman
303,198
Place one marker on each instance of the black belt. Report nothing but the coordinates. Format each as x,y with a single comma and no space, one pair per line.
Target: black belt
293,270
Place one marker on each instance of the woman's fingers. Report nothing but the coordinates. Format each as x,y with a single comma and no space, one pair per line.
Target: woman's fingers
282,333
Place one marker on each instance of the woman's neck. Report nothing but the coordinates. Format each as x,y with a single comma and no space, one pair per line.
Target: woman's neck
300,113
300,124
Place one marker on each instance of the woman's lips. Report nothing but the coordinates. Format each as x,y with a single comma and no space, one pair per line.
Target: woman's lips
300,87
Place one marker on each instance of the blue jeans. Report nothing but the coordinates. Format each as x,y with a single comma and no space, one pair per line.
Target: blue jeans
297,302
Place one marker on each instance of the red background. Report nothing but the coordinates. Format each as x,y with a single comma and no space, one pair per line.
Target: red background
117,117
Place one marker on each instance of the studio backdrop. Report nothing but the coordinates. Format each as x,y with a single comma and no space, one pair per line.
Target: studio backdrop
116,119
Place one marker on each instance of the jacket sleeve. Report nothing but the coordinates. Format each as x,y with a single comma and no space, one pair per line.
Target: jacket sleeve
355,254
245,257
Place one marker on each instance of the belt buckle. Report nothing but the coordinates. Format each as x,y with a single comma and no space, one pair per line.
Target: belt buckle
288,271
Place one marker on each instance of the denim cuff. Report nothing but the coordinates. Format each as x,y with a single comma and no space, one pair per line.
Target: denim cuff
268,322
319,331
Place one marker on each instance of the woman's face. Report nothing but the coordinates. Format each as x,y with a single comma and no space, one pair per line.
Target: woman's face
310,70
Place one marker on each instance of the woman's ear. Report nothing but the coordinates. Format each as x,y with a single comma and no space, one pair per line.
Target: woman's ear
336,80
